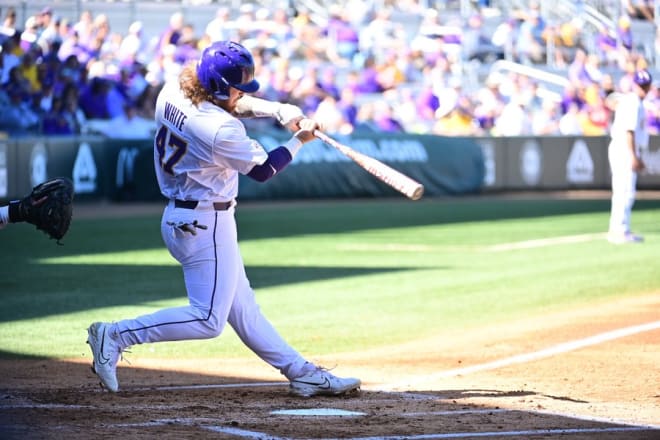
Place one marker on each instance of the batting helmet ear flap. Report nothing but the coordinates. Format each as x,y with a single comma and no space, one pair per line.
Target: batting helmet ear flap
226,64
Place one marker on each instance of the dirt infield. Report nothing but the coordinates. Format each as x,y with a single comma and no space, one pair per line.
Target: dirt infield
587,374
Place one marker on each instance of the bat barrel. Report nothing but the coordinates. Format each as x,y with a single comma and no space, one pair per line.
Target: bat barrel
399,181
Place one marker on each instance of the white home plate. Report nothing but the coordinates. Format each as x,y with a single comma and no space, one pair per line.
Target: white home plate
316,412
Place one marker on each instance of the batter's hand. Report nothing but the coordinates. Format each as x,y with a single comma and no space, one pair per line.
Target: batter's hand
306,129
638,164
290,115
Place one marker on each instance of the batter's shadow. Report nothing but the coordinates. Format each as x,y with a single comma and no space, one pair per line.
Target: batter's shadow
463,394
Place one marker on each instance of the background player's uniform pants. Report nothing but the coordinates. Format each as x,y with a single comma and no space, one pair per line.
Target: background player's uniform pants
218,292
624,183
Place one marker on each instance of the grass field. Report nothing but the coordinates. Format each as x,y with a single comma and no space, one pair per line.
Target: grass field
333,276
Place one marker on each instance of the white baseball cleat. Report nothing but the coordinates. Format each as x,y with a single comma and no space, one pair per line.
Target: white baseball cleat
321,382
623,238
106,354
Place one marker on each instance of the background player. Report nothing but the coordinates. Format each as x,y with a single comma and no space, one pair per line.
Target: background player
629,136
199,150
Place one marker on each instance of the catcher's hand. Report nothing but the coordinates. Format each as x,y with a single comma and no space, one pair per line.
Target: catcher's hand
49,207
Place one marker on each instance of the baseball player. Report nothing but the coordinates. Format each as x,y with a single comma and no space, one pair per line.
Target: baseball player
200,148
629,136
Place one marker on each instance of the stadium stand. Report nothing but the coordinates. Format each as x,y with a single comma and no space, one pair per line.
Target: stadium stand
458,67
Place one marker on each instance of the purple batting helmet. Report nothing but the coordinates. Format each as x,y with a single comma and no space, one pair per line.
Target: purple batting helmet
642,78
226,64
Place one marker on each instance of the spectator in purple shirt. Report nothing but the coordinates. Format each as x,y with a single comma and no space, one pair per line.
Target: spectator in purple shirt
28,39
571,96
93,99
577,72
384,119
347,107
606,46
368,78
18,83
624,32
71,109
427,103
55,121
70,72
72,46
172,33
186,46
342,39
328,82
100,99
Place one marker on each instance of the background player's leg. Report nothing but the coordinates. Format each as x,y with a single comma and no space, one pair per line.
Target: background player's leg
617,209
623,199
629,199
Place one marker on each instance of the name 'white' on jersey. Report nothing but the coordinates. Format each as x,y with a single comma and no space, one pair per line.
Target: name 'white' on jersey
200,150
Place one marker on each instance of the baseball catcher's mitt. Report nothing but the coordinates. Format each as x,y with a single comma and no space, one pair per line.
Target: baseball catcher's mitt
49,207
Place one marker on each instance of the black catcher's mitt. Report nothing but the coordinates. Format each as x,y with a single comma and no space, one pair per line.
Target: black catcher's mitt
49,207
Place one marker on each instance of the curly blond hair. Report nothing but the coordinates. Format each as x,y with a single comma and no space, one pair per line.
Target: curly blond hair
191,87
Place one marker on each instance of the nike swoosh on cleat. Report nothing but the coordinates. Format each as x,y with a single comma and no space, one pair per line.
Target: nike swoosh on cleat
325,385
103,359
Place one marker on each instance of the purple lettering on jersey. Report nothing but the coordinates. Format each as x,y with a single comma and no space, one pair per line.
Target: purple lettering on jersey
175,116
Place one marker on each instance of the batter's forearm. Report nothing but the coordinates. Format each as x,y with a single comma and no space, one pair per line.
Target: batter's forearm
277,160
252,107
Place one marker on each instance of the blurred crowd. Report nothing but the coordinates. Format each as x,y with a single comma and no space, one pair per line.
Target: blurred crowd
357,70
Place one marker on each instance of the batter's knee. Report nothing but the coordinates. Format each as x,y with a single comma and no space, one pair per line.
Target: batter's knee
213,326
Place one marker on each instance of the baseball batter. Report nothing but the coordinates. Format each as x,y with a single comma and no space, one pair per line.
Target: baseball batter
629,136
200,148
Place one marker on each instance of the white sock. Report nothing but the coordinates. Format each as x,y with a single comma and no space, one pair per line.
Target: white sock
4,215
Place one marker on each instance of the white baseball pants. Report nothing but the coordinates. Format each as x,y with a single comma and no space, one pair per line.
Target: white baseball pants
218,292
624,183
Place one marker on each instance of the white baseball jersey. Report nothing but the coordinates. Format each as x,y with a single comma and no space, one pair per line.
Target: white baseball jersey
199,151
629,116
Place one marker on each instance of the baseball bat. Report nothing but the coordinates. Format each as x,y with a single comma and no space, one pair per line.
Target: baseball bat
402,183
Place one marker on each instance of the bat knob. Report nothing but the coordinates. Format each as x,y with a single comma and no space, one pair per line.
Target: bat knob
418,193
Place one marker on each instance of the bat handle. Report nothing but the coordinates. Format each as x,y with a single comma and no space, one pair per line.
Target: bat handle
322,136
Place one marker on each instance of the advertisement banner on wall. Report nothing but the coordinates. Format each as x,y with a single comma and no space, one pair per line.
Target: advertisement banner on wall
123,169
80,159
443,165
650,177
557,163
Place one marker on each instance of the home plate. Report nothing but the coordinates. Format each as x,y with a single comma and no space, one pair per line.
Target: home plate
316,412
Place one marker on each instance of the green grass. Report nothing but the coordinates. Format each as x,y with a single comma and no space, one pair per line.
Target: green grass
332,275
